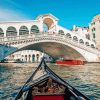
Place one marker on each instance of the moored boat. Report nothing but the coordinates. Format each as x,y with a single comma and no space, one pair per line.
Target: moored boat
70,62
44,84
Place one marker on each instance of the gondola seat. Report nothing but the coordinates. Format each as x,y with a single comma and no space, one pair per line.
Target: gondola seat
48,97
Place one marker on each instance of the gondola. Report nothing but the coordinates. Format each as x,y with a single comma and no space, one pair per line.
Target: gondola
44,84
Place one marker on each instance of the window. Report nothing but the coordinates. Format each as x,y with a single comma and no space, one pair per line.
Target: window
94,35
75,38
88,36
61,32
94,23
33,58
87,43
93,29
92,46
81,41
68,35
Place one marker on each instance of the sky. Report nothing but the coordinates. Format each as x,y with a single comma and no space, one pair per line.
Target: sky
69,12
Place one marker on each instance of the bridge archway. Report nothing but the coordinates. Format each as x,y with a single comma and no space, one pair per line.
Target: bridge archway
34,29
23,30
11,31
56,50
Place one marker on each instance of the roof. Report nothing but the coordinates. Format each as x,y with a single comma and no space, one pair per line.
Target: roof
96,18
23,21
49,14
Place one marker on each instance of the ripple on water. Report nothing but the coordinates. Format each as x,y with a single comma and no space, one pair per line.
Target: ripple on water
85,78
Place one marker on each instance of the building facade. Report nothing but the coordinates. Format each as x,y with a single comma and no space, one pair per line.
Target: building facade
81,31
94,29
28,56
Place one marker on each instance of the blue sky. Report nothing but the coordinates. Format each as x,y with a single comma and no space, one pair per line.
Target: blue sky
69,12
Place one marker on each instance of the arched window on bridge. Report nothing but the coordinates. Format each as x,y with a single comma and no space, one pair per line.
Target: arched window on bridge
23,30
34,29
75,38
1,32
81,41
68,35
92,46
87,43
61,32
11,31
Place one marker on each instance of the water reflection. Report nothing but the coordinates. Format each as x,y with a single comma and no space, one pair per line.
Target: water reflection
86,78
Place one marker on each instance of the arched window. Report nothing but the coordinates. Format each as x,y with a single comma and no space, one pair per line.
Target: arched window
87,36
34,29
37,57
81,41
93,29
11,31
75,38
61,32
23,30
92,46
29,58
26,58
1,32
68,35
94,35
33,58
87,43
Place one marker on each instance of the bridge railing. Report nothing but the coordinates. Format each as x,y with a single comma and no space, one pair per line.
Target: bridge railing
68,40
46,35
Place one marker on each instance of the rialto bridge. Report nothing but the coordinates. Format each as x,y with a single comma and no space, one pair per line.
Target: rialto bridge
44,34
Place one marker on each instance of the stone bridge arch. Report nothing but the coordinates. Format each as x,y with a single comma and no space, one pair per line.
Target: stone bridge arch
55,46
55,49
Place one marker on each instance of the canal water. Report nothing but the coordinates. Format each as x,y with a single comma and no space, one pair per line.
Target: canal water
85,78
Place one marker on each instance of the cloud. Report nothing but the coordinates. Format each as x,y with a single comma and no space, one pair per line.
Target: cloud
12,2
11,15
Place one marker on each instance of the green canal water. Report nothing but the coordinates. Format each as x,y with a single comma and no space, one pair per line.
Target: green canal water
85,78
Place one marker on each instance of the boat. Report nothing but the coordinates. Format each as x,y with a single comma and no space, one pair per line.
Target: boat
44,84
70,62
